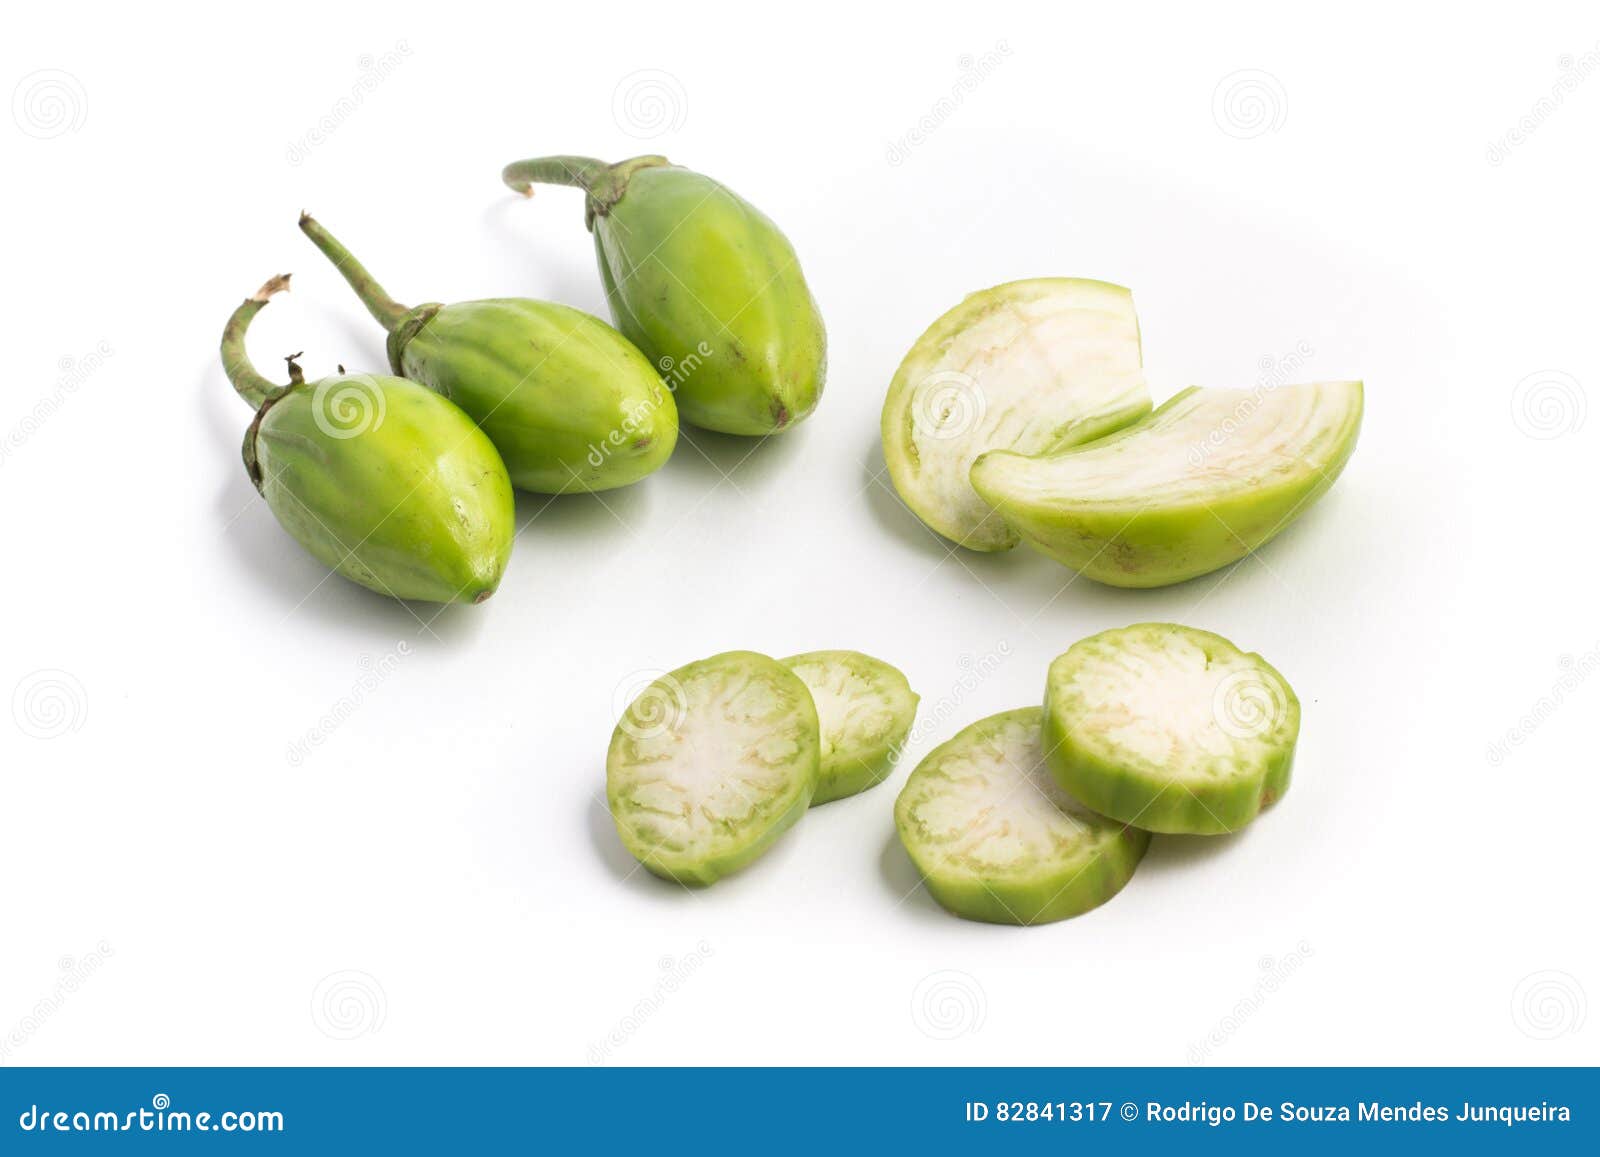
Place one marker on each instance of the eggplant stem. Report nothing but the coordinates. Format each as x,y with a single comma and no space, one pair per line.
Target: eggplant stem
386,310
250,384
605,184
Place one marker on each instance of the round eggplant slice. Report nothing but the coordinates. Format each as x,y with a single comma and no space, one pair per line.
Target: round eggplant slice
1030,366
865,708
1170,729
997,839
711,764
1198,484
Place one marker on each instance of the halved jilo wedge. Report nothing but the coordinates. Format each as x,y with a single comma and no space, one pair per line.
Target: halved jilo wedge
1196,485
997,839
711,764
1031,366
1169,728
865,708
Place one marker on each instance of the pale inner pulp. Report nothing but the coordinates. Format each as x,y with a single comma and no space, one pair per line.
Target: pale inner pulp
1209,441
1174,704
722,764
1021,377
992,804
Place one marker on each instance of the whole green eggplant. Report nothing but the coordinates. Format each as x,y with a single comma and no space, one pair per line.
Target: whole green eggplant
384,481
705,284
569,402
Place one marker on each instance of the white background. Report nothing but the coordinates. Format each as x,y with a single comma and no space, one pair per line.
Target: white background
438,882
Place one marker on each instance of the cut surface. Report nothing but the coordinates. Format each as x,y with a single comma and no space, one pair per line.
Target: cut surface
1170,728
864,708
1031,366
997,838
711,763
1198,484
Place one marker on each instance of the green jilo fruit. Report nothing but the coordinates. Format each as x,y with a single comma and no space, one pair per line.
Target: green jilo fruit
569,402
996,838
711,764
865,708
1030,366
702,282
1199,484
1170,729
382,480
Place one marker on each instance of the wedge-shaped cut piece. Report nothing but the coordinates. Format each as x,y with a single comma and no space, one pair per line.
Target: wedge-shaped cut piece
1031,366
865,708
1196,485
1170,729
711,764
997,839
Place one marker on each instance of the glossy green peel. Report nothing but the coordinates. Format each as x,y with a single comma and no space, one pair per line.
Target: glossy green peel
1199,484
571,404
1030,366
1170,729
704,283
381,480
997,839
865,709
711,764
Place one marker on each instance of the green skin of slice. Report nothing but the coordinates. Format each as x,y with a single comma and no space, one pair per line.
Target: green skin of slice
569,402
1128,544
779,722
705,284
381,480
865,708
1189,792
1098,860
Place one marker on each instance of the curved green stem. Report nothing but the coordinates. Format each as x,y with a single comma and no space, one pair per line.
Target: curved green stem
604,183
251,385
388,312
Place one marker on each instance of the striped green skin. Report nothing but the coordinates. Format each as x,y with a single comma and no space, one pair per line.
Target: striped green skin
405,496
696,274
995,839
711,764
568,401
1170,728
865,709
